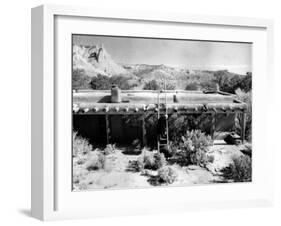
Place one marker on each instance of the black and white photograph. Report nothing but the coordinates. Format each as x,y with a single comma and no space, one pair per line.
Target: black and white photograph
151,112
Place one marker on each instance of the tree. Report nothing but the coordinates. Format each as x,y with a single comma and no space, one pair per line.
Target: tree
170,86
100,82
121,81
154,85
151,85
246,83
192,86
80,80
221,77
230,82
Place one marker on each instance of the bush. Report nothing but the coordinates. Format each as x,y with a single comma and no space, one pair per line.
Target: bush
170,86
211,158
80,80
109,149
229,82
193,148
246,83
179,124
167,174
151,85
208,85
100,82
154,85
159,160
150,160
81,145
95,161
192,86
79,175
240,170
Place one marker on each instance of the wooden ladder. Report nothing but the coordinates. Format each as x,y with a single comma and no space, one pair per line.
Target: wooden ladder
163,141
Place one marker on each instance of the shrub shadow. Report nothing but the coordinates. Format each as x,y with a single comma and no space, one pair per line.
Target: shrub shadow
154,180
131,151
132,167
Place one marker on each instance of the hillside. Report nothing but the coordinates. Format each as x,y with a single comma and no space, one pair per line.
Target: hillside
95,60
93,64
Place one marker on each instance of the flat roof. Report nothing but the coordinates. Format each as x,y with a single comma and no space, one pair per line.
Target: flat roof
139,101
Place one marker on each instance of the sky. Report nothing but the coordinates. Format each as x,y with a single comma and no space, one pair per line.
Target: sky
189,54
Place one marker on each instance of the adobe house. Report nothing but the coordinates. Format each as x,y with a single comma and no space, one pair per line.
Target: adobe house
101,115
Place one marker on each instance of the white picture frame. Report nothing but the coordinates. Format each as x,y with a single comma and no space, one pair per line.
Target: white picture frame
51,198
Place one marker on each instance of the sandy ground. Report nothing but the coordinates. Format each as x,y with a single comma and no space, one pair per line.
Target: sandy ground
223,155
119,175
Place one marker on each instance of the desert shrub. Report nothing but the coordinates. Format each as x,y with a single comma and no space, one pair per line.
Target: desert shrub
240,170
167,174
192,86
157,85
108,164
193,148
210,158
150,160
135,166
80,80
144,160
95,160
179,124
208,85
109,149
151,85
173,147
170,86
159,160
82,186
247,149
81,145
79,175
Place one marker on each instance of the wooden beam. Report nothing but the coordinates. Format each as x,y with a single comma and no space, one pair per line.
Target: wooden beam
107,128
213,125
243,126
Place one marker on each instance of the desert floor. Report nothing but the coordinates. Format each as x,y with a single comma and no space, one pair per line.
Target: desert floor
120,175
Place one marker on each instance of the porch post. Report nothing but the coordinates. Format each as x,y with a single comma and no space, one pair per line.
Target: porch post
107,128
213,125
144,142
243,126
